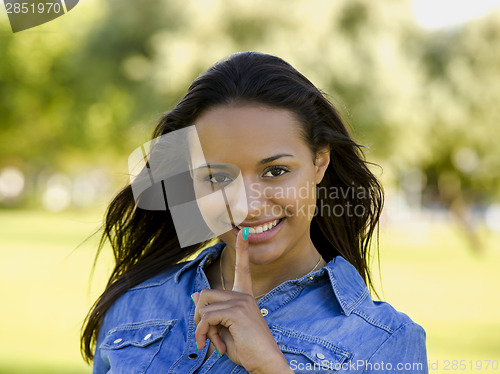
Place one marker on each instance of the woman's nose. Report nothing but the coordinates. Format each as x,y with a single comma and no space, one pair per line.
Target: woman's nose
250,202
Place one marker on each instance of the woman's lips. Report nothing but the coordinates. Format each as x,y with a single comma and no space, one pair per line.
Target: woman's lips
263,236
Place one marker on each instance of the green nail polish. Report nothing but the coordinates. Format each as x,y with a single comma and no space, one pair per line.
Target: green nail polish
193,298
245,233
218,353
196,345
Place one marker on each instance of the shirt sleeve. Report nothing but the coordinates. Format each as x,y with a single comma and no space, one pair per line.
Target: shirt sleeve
403,352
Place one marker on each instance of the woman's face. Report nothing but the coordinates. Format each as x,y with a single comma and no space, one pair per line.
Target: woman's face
277,184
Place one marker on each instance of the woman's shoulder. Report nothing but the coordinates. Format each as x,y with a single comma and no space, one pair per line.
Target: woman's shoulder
159,279
355,299
376,322
392,337
384,315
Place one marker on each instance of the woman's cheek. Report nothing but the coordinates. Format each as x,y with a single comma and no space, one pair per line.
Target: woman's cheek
213,213
302,202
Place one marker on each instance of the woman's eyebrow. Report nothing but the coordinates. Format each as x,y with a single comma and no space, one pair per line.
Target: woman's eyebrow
272,158
261,162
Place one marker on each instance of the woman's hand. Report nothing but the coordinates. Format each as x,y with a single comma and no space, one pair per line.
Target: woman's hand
234,324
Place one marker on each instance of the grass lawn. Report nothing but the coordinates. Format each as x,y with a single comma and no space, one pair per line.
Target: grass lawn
427,272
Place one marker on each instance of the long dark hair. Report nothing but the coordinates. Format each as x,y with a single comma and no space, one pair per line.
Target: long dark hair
145,243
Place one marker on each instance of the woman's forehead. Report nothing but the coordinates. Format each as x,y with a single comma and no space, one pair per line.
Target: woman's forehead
250,131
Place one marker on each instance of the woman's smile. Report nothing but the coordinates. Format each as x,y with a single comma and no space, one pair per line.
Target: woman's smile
262,232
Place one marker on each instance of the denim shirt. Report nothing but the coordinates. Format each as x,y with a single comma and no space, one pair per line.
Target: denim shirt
324,322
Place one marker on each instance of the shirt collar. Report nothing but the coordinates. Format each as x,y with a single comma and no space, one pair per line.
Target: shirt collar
347,284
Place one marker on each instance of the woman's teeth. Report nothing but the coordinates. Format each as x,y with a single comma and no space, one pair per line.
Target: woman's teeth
261,228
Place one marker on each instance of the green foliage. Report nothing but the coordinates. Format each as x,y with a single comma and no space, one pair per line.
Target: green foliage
424,100
463,81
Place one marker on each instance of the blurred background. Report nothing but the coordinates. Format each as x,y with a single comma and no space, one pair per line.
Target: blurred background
419,82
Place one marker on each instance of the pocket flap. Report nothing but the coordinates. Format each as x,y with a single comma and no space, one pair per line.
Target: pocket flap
321,352
138,334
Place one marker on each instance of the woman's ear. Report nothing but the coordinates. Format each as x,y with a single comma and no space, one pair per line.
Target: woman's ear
321,163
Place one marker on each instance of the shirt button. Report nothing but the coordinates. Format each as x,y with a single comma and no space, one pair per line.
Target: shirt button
264,312
311,278
147,336
119,340
192,356
321,356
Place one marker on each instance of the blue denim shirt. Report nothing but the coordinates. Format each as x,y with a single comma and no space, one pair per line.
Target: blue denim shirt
324,322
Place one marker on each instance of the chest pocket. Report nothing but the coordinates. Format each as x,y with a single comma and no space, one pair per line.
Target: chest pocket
306,354
130,348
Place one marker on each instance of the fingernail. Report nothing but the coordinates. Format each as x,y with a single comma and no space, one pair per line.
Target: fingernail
218,353
196,345
245,233
193,298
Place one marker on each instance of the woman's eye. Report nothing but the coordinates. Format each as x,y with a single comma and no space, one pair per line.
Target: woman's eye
276,172
218,179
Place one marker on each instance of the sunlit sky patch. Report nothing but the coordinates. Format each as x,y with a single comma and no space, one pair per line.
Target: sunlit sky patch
436,14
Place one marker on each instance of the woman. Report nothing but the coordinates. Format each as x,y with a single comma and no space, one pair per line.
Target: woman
284,287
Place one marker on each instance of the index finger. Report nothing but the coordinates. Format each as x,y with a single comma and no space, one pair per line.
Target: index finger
242,275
